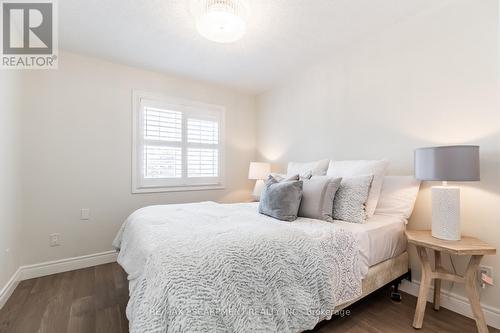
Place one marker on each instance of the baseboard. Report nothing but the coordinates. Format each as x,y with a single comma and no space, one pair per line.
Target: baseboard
9,287
53,267
455,303
65,265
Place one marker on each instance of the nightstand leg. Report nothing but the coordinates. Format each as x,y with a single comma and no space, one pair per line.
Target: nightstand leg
471,288
425,284
437,282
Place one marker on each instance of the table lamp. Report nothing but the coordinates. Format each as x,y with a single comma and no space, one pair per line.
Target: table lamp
447,163
258,171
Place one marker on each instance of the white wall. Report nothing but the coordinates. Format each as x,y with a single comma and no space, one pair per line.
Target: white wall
76,152
10,218
430,80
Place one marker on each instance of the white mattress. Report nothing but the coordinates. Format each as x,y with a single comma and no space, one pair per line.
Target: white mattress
380,238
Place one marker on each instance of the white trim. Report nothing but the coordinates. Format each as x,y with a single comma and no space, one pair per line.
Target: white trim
53,267
9,288
455,303
68,264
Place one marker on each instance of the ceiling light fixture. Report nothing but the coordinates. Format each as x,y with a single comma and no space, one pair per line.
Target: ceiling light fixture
222,21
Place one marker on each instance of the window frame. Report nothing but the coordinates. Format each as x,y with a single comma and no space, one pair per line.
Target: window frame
140,184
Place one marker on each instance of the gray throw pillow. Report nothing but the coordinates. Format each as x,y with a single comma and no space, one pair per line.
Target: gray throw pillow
350,199
281,200
318,194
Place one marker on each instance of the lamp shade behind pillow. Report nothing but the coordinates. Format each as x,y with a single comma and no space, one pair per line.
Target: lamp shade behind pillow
281,200
259,170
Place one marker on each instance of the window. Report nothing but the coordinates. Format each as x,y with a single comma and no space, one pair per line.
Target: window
178,145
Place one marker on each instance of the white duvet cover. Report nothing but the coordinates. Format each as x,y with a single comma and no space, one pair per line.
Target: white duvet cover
208,267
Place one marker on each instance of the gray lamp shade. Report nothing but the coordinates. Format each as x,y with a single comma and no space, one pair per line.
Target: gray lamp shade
447,163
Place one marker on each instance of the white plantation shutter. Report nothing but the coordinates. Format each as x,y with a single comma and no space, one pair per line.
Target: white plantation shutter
203,162
203,150
162,159
162,162
176,145
165,125
204,131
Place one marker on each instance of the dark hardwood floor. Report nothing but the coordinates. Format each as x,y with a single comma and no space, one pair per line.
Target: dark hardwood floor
86,300
94,300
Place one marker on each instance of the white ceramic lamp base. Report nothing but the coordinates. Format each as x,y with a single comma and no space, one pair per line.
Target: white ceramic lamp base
446,212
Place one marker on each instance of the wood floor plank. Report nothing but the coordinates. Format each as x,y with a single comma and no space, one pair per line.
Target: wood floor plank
84,283
82,318
44,283
122,294
30,317
120,279
109,320
57,311
93,300
12,309
105,290
46,307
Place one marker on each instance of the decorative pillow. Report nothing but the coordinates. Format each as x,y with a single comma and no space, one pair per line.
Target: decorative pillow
281,200
317,168
398,196
317,197
362,168
350,199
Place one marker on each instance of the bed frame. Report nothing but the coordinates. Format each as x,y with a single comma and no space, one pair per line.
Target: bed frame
389,272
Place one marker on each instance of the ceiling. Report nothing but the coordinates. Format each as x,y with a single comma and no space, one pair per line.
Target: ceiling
283,35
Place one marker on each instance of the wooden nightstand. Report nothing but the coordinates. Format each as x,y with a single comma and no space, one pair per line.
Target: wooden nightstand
466,246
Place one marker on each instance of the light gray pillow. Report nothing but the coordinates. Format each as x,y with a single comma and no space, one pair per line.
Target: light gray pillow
318,194
350,200
281,200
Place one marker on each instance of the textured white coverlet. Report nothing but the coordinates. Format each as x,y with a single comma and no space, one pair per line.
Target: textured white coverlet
209,267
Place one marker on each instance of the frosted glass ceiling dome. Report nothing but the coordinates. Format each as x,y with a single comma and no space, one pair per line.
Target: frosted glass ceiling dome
221,21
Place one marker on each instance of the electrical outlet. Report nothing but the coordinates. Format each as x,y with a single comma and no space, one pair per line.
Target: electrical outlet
54,240
85,214
486,270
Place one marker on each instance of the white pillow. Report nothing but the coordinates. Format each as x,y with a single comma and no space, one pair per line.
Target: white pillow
398,196
317,168
281,177
362,168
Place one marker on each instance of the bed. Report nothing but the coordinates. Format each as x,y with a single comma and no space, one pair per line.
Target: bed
182,278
